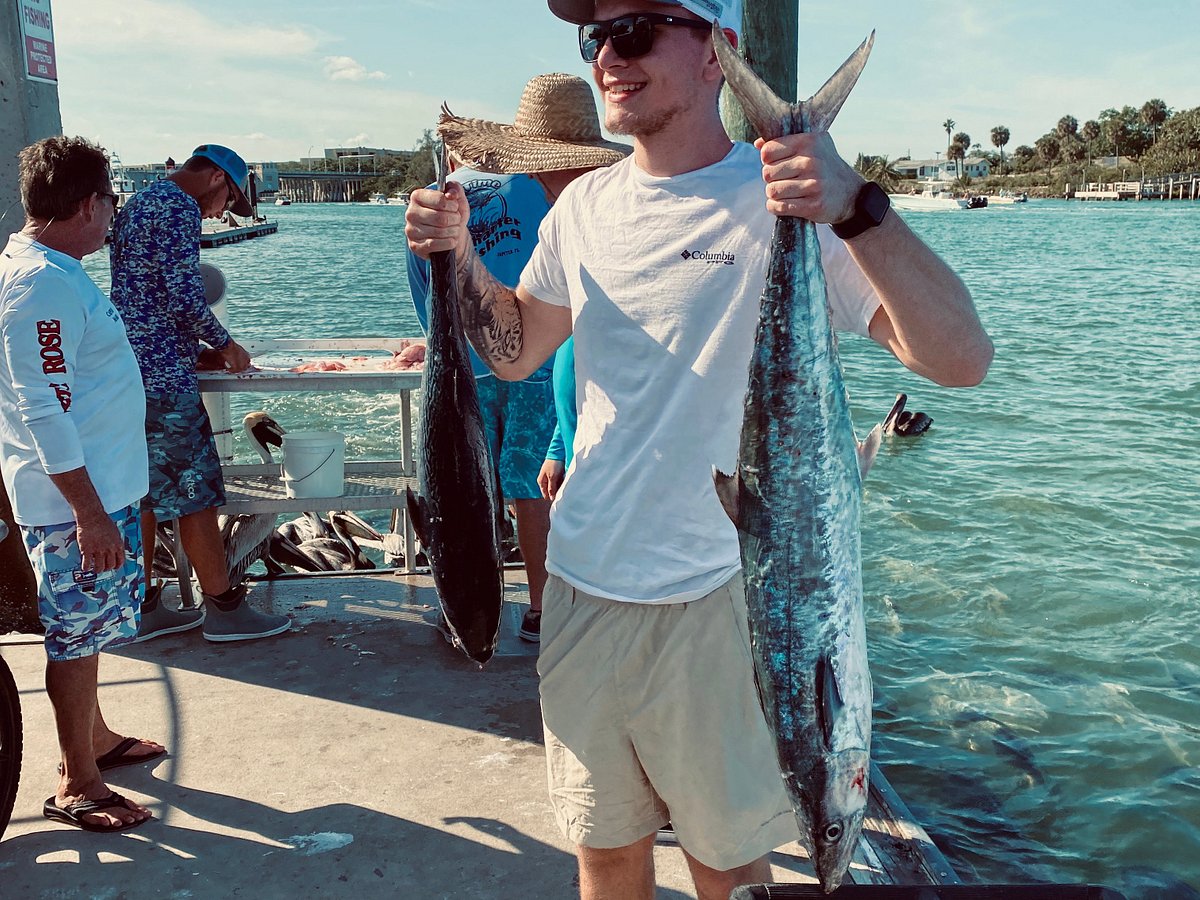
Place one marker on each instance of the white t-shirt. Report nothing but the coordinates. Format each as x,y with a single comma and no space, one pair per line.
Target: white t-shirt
70,388
663,276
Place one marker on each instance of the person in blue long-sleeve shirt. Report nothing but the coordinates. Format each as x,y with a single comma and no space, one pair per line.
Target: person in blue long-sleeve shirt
562,443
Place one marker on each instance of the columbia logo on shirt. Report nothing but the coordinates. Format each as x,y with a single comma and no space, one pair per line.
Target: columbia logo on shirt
709,256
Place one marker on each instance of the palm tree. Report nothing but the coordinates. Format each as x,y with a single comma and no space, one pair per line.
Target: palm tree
1153,114
949,126
962,140
880,170
1067,127
1000,137
1090,132
1047,148
1072,150
956,152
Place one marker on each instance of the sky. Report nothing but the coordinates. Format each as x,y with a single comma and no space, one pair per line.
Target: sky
282,79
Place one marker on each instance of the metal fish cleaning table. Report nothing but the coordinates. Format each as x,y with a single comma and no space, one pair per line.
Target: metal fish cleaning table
369,484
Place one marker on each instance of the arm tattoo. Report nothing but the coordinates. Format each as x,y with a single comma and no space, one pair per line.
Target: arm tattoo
491,317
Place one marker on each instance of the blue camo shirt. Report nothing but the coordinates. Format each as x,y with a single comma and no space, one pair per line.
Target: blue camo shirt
156,285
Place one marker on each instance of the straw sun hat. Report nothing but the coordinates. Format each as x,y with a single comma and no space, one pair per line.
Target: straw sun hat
556,128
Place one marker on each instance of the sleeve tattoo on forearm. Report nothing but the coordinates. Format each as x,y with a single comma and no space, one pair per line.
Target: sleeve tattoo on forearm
491,318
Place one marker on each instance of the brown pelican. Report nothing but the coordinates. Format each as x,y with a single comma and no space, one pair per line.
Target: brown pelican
247,537
354,529
905,424
312,544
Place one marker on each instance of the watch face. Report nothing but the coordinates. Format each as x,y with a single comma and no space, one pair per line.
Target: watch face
875,202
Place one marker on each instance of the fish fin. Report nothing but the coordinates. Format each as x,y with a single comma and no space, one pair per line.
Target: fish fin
867,449
822,108
889,421
770,115
829,699
416,514
728,488
773,116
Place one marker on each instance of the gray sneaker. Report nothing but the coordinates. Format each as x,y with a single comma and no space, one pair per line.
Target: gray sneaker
158,619
234,620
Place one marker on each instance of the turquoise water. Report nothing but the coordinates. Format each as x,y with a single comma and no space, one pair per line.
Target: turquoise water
1030,564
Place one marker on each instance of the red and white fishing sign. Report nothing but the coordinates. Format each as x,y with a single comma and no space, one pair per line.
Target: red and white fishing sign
37,39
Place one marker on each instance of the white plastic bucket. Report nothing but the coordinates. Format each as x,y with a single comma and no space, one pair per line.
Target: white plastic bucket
314,463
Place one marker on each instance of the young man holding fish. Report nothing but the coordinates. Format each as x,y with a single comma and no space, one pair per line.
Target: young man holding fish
656,266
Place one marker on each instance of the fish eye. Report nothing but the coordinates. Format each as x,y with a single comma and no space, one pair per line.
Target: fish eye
833,833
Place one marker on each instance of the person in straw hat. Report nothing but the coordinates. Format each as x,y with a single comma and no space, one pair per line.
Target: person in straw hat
512,175
655,265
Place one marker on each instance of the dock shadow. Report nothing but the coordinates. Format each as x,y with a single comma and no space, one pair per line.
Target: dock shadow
370,643
212,845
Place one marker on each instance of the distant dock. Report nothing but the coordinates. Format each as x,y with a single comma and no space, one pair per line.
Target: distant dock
231,235
1179,186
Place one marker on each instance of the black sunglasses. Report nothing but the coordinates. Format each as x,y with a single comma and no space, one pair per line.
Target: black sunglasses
632,36
231,193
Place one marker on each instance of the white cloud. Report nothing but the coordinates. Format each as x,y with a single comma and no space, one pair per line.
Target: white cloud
179,28
345,68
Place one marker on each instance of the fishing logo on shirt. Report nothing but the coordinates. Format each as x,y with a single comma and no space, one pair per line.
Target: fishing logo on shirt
490,222
722,257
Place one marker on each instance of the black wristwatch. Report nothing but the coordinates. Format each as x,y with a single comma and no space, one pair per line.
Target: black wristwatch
870,207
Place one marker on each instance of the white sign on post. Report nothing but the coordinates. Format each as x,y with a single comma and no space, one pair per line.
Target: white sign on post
37,40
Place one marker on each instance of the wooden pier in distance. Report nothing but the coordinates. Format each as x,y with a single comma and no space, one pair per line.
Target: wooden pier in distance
226,234
1178,186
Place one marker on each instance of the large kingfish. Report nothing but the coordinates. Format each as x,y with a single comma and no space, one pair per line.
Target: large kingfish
795,499
455,514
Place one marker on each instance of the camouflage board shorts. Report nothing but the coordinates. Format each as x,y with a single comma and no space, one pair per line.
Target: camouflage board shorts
85,612
185,471
518,419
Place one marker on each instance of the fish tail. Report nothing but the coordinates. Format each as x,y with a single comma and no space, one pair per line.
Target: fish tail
773,116
441,166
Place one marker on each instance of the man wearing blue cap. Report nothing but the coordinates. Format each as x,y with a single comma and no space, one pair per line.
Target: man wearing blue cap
157,286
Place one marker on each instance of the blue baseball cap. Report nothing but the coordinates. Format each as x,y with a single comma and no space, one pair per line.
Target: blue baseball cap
233,166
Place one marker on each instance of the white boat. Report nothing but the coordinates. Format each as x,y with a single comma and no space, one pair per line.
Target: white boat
122,184
1006,197
283,200
380,199
398,200
934,195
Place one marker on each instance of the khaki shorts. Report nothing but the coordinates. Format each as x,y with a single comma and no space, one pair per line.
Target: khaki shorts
651,715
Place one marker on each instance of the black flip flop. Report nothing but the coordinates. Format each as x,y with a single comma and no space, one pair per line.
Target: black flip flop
119,756
73,814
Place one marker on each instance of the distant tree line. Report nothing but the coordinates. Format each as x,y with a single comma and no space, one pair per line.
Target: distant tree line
1157,139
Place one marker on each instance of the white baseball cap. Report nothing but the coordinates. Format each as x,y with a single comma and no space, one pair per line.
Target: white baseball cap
728,13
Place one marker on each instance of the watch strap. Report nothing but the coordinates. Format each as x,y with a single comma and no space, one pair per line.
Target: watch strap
870,208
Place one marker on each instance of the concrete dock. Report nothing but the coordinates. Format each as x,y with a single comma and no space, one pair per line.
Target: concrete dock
358,756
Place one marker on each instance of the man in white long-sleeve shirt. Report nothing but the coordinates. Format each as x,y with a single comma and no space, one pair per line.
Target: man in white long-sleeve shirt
73,458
